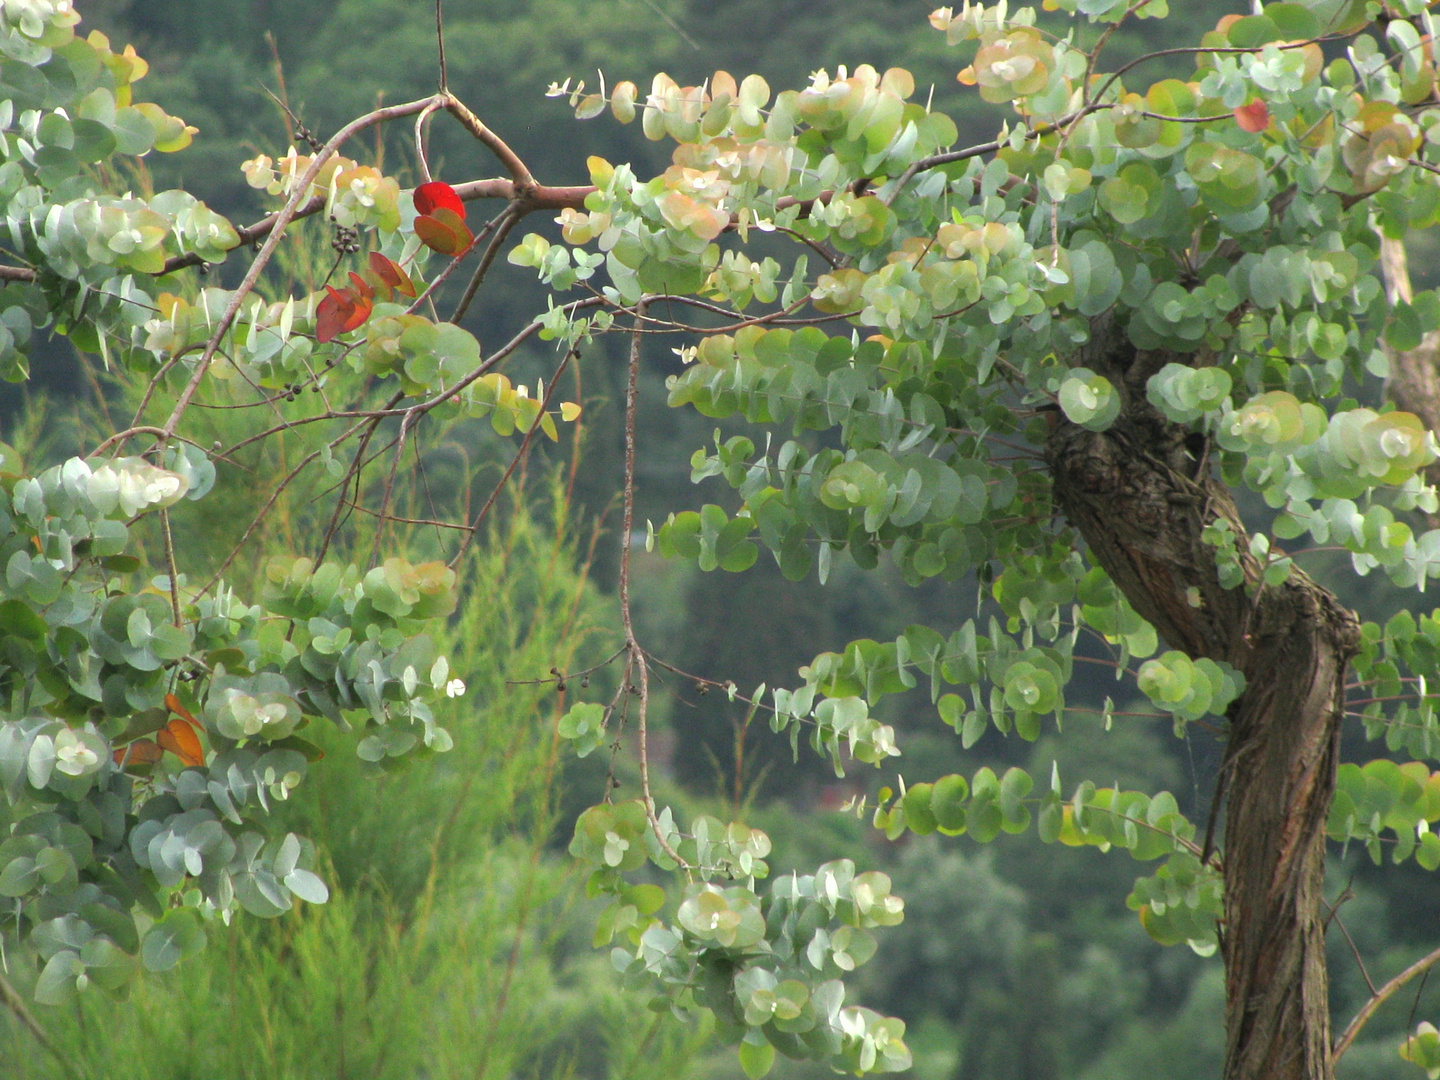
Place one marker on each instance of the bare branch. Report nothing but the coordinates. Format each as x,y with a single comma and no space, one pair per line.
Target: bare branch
169,540
440,38
420,155
507,222
1354,949
524,182
493,361
1384,994
390,485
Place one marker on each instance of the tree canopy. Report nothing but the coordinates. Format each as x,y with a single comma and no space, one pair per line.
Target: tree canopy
1104,365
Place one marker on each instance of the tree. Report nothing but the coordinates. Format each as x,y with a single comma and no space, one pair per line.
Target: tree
1064,361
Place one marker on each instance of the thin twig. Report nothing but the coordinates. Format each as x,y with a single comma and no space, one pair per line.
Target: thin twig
16,1004
637,654
673,24
530,330
1354,950
520,454
355,471
420,154
156,381
427,295
440,38
120,436
274,497
170,565
350,504
390,486
284,98
1384,994
511,218
255,524
1093,56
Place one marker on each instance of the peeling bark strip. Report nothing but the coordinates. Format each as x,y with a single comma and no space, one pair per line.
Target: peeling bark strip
1141,500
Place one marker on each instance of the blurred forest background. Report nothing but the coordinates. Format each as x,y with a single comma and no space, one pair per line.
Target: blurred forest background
457,940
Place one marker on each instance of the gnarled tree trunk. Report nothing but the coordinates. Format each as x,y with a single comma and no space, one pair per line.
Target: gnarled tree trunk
1141,494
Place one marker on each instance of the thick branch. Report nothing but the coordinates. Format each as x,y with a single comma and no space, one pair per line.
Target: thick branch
517,169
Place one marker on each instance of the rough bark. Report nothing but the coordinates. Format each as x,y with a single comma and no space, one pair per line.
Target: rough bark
1141,494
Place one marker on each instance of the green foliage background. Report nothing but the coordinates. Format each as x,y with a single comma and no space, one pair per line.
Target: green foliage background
456,941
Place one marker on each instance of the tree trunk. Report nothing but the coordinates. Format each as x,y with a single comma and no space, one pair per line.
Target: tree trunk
1141,494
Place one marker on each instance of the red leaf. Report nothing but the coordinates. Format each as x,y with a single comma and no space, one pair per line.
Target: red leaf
391,274
180,739
435,195
339,312
1254,117
330,315
362,287
443,232
363,307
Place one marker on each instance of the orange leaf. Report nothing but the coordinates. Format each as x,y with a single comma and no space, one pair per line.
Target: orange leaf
391,274
443,232
174,704
1254,117
436,195
180,739
139,752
